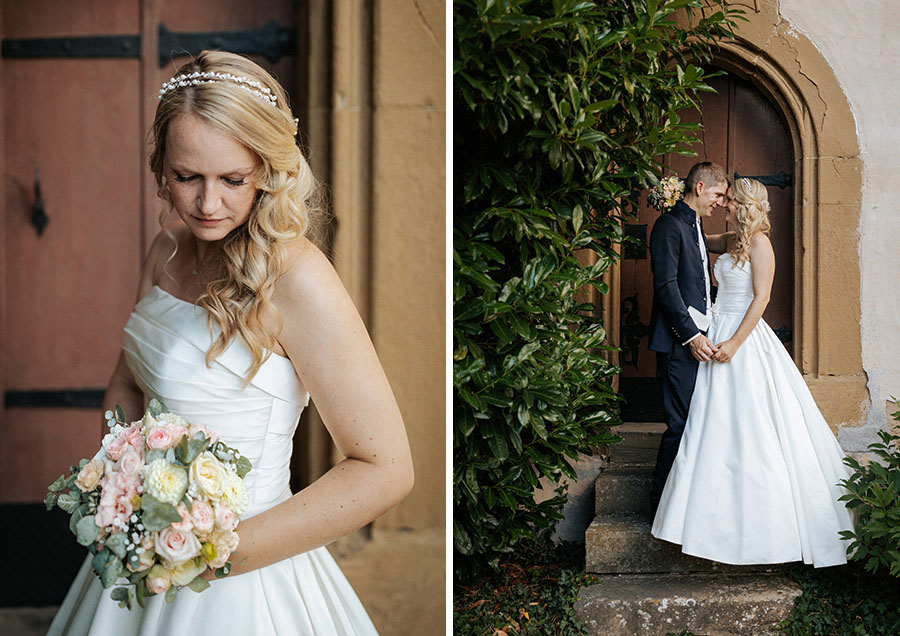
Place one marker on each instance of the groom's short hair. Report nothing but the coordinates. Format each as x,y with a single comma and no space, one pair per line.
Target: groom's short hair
706,171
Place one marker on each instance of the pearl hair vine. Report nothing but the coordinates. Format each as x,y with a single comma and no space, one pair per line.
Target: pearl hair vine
208,77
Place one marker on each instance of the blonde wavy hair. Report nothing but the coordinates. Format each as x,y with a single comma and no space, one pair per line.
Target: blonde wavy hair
752,200
287,198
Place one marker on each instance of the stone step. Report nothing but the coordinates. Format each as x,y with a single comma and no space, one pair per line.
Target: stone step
707,604
640,442
622,544
623,489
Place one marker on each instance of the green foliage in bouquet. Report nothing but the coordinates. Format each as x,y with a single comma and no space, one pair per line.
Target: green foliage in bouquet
562,111
873,494
115,559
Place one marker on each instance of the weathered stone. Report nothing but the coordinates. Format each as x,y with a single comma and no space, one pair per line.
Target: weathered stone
708,604
623,489
640,442
622,544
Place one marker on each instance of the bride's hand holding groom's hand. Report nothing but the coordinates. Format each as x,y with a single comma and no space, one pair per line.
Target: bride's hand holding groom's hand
726,351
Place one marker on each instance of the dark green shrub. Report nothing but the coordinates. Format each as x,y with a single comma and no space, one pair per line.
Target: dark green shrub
873,494
562,111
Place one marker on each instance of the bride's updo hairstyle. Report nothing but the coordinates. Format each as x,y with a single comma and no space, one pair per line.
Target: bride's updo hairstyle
238,97
752,201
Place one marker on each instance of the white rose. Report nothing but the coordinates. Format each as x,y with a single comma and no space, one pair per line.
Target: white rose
208,475
187,572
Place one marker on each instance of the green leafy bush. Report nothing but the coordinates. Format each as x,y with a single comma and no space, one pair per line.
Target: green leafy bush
562,111
532,593
843,601
873,493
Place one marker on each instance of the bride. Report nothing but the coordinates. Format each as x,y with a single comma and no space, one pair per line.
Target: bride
756,477
239,320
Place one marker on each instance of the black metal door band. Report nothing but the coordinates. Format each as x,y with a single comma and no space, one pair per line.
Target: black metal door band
61,398
271,41
782,179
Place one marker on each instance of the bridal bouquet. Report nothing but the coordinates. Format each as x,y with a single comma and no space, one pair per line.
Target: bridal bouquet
157,505
668,193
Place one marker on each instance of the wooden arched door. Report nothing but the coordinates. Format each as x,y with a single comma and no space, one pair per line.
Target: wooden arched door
746,134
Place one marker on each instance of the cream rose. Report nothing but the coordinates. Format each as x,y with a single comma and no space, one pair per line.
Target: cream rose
146,560
89,476
187,572
208,475
225,542
225,517
176,546
165,481
159,579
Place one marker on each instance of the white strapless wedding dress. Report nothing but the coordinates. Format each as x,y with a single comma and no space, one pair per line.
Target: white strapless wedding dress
756,476
165,344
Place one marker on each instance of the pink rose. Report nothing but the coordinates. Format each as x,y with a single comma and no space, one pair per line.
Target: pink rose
89,476
187,523
131,463
176,546
177,432
160,438
203,517
202,428
135,438
225,518
116,447
105,515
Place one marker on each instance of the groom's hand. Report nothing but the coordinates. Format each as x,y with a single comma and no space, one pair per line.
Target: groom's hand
702,348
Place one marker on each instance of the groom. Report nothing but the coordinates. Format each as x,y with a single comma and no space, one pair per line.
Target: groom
679,258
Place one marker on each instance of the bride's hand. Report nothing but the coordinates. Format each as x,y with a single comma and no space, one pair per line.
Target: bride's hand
726,351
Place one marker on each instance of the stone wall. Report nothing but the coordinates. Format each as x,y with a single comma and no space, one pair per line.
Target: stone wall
859,42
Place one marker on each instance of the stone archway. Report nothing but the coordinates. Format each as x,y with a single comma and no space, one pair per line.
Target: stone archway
795,76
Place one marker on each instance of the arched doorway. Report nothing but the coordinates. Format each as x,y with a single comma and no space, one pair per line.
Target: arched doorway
745,133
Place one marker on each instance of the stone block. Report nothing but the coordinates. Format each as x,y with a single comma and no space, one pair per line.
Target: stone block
640,442
578,510
712,605
622,544
623,490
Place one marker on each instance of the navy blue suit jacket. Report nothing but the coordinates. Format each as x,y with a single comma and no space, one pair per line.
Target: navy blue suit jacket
677,277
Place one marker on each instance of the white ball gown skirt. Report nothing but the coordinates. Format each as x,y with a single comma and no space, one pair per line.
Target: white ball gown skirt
756,477
165,344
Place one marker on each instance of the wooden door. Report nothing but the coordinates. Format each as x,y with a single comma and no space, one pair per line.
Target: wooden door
75,115
743,132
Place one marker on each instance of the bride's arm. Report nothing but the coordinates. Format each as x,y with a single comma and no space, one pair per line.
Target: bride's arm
762,259
718,243
327,342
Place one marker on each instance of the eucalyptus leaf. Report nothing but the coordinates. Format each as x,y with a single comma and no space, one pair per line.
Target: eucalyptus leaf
58,484
157,515
107,566
50,500
122,595
69,501
116,544
223,571
120,415
171,593
198,584
242,466
86,530
156,408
